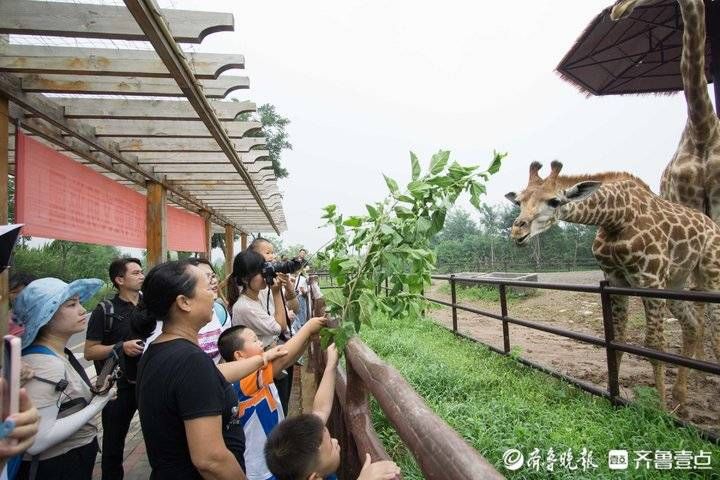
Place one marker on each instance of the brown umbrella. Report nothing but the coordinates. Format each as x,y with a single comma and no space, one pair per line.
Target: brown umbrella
639,54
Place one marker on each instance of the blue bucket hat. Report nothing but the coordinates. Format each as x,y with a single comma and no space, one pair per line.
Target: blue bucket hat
38,302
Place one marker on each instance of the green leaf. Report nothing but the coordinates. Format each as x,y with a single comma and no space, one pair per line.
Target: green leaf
403,212
387,229
476,189
418,189
497,161
353,222
438,220
438,161
372,211
329,210
415,164
392,184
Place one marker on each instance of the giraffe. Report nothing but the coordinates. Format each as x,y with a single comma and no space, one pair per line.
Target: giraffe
692,177
643,240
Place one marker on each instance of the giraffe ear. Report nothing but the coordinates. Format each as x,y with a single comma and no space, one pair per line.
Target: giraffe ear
581,191
512,196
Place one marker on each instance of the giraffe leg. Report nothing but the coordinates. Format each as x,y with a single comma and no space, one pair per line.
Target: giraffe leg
620,318
684,313
700,342
714,314
655,339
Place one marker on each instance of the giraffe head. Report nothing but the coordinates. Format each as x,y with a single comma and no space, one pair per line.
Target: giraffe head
624,8
541,201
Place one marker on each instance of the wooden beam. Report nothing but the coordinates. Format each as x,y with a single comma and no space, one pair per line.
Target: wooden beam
181,158
156,224
207,254
4,170
104,21
99,85
108,61
166,128
204,176
148,145
141,109
199,168
243,241
84,137
160,36
229,248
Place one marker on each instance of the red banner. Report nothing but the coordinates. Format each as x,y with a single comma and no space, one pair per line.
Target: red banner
186,231
58,198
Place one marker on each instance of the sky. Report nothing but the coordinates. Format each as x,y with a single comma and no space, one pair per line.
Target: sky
366,82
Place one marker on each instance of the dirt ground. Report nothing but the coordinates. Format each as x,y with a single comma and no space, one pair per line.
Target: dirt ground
582,313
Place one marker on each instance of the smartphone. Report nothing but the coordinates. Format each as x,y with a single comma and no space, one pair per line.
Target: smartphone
11,376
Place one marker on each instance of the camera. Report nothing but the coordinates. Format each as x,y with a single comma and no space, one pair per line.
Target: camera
271,269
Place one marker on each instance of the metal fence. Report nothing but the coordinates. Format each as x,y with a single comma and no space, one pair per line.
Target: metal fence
607,342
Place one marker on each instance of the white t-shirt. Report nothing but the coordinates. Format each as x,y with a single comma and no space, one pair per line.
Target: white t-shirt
55,368
252,314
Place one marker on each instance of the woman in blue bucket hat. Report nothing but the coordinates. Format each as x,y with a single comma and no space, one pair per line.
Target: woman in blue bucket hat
66,445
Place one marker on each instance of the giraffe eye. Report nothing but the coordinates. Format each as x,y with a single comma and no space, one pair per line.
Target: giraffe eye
553,202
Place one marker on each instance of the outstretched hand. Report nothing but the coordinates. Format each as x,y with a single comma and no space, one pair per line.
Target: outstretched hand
384,470
333,357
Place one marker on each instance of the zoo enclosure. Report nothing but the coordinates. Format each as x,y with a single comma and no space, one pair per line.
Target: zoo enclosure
607,342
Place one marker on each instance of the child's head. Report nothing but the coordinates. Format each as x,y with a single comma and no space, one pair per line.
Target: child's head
239,342
300,448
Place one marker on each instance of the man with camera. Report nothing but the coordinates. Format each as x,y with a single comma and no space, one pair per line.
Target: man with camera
108,338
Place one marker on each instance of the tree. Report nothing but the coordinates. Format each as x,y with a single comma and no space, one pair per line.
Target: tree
458,225
273,129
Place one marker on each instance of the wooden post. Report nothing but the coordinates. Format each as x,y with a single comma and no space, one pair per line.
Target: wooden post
208,237
243,241
156,224
229,248
4,139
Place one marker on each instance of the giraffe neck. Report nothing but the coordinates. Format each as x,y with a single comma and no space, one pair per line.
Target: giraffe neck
610,207
701,116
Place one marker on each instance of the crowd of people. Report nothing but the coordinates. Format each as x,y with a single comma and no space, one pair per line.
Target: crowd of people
210,377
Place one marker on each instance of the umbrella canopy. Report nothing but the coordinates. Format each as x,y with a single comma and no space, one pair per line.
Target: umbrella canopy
639,54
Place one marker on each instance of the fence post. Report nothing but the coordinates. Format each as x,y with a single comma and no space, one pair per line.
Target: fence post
453,300
612,363
504,313
386,286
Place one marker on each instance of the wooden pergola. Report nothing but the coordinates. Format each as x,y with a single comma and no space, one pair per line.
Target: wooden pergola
155,119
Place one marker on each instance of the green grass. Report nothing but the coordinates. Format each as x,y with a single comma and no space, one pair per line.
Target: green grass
486,293
497,404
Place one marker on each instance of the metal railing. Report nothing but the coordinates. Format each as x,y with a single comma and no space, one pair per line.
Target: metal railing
607,342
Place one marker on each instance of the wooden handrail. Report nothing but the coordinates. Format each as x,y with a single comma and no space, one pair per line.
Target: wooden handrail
440,452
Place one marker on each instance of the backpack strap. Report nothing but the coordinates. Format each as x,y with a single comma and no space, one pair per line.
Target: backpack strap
109,316
43,350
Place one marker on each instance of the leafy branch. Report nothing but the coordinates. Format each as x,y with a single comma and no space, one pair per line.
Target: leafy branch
391,243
